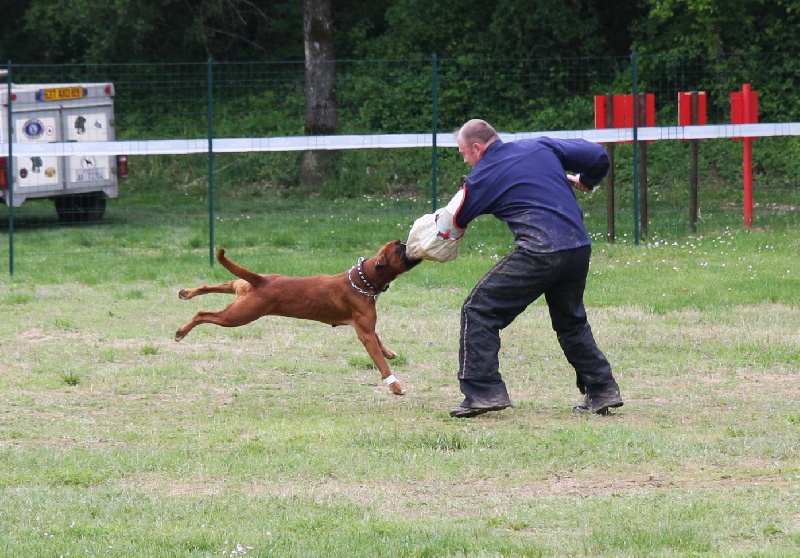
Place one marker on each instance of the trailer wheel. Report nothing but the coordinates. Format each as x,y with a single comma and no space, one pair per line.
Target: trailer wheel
81,208
93,205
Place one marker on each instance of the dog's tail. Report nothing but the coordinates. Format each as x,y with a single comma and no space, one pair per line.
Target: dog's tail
253,278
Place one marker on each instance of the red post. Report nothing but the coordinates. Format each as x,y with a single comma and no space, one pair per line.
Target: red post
604,118
744,110
692,112
747,161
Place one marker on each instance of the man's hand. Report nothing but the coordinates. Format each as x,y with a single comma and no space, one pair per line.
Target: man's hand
576,182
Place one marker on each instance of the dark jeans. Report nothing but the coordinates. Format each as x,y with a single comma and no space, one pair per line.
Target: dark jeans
505,291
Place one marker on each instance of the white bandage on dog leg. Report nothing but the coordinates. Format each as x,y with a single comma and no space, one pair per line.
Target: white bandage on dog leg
390,379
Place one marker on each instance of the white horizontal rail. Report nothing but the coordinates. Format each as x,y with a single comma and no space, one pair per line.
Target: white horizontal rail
382,141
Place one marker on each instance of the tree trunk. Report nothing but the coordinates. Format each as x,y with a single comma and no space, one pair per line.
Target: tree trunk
322,109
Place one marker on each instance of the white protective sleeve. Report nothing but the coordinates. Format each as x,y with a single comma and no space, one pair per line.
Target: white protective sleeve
434,236
444,218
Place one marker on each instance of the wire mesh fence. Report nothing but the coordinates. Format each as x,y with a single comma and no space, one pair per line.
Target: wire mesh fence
201,200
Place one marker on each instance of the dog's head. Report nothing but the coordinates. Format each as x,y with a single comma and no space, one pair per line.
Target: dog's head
391,261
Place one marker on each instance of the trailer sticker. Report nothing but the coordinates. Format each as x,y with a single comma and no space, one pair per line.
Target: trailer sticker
36,173
89,171
33,129
88,127
80,125
42,129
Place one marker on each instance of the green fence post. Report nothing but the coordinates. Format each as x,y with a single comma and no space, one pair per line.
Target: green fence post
435,130
9,178
635,71
210,86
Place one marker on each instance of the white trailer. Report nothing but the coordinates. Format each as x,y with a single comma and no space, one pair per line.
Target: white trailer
53,113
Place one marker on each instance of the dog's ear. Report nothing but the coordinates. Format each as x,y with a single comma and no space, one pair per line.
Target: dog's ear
384,255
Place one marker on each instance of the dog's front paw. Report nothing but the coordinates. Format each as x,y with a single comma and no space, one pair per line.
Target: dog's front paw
183,294
394,385
397,389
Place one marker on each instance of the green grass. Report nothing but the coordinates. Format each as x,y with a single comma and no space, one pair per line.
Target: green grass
278,438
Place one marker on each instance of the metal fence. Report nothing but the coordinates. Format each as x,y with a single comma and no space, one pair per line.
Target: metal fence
212,100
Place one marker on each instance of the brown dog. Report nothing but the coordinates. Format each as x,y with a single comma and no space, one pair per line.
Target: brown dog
345,299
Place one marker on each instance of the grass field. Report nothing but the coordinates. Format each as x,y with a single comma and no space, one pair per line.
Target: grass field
278,438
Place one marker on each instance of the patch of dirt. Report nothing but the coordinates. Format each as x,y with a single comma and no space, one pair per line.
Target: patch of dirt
429,499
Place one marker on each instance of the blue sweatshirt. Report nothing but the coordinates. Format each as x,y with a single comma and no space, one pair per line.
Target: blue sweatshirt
524,184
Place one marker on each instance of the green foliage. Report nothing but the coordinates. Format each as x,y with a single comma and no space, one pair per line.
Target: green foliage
70,377
385,96
714,27
128,31
92,31
513,29
417,29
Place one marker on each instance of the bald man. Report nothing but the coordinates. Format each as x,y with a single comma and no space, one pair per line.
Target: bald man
529,184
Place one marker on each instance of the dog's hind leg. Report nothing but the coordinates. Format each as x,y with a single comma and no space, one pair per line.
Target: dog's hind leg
386,352
224,288
202,317
234,315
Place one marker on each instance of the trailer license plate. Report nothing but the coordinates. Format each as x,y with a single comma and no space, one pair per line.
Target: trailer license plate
60,93
90,175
